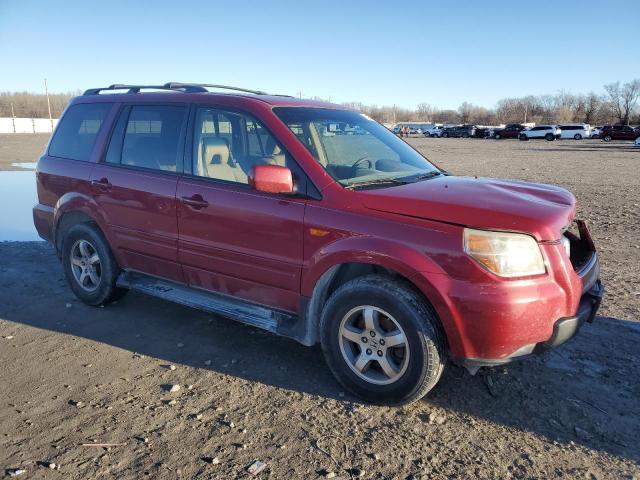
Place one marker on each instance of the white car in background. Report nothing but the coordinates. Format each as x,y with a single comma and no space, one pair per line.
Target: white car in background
575,131
637,142
548,132
595,132
434,131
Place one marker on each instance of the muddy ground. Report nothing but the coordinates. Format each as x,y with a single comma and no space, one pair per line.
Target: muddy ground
73,375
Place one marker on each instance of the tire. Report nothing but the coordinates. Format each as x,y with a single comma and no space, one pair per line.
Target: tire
523,137
427,134
549,137
445,135
465,135
577,136
497,136
607,138
84,247
416,365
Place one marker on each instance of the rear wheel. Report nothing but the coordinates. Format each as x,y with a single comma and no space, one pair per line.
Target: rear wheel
607,138
577,136
382,340
445,135
549,137
89,266
523,137
427,134
497,136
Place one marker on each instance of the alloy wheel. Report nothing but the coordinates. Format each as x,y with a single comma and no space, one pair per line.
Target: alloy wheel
86,265
374,345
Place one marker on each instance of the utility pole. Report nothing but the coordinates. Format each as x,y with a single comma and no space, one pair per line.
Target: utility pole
46,91
13,118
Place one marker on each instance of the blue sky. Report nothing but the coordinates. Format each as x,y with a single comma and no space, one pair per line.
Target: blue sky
373,52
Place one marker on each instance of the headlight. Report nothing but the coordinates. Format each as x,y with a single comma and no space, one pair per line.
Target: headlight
505,254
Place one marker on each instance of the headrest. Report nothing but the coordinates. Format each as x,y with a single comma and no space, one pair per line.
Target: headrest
270,147
215,150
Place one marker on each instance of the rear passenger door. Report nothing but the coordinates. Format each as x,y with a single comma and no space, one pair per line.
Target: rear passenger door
232,238
135,187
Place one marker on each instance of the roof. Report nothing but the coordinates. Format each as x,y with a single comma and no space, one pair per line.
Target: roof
192,92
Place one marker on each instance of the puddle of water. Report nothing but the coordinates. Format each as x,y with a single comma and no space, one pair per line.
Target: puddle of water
25,165
18,195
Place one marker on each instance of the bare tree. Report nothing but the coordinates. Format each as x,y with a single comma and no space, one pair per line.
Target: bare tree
590,106
424,112
622,99
630,94
465,110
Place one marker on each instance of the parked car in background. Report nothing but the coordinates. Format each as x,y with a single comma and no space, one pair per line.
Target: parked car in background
427,129
483,132
435,131
595,132
460,131
619,132
575,131
512,130
548,132
637,142
234,205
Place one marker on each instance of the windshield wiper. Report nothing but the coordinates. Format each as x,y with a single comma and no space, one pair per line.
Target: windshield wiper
379,181
425,176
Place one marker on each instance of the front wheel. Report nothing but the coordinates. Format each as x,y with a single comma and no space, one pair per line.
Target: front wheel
549,137
577,136
89,266
497,136
523,137
607,138
426,134
382,340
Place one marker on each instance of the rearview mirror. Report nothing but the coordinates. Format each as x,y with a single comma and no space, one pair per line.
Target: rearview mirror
271,179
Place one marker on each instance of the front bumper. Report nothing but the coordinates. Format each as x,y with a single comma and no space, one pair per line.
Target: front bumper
566,328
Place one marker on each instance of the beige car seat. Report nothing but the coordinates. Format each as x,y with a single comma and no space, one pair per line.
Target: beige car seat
274,154
215,161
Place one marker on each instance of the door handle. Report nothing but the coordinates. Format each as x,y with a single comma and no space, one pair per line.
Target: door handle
102,184
195,201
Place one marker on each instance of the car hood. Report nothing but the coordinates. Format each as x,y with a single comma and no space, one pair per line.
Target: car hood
485,203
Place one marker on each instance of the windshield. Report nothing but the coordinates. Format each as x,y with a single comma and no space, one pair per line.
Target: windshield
354,149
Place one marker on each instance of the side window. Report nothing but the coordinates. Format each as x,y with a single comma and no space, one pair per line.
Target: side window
148,136
76,134
227,145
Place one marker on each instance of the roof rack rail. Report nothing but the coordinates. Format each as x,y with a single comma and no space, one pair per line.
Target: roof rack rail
171,86
211,85
137,88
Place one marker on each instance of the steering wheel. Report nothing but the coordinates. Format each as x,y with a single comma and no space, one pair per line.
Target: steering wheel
362,159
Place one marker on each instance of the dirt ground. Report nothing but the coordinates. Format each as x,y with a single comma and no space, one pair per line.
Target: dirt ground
74,375
21,147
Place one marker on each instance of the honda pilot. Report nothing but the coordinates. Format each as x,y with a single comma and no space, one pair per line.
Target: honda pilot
264,209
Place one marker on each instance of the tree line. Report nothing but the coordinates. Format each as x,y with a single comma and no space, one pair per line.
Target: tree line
615,104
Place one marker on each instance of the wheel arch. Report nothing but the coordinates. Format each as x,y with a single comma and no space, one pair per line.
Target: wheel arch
73,209
340,273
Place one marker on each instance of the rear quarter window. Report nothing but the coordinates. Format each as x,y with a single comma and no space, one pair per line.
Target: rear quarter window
76,133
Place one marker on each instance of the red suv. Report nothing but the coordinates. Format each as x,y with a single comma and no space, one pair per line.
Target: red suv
619,132
512,130
271,211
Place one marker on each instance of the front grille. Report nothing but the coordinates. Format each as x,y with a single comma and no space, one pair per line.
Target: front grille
581,244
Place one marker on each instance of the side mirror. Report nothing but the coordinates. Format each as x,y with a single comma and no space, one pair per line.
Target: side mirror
271,179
